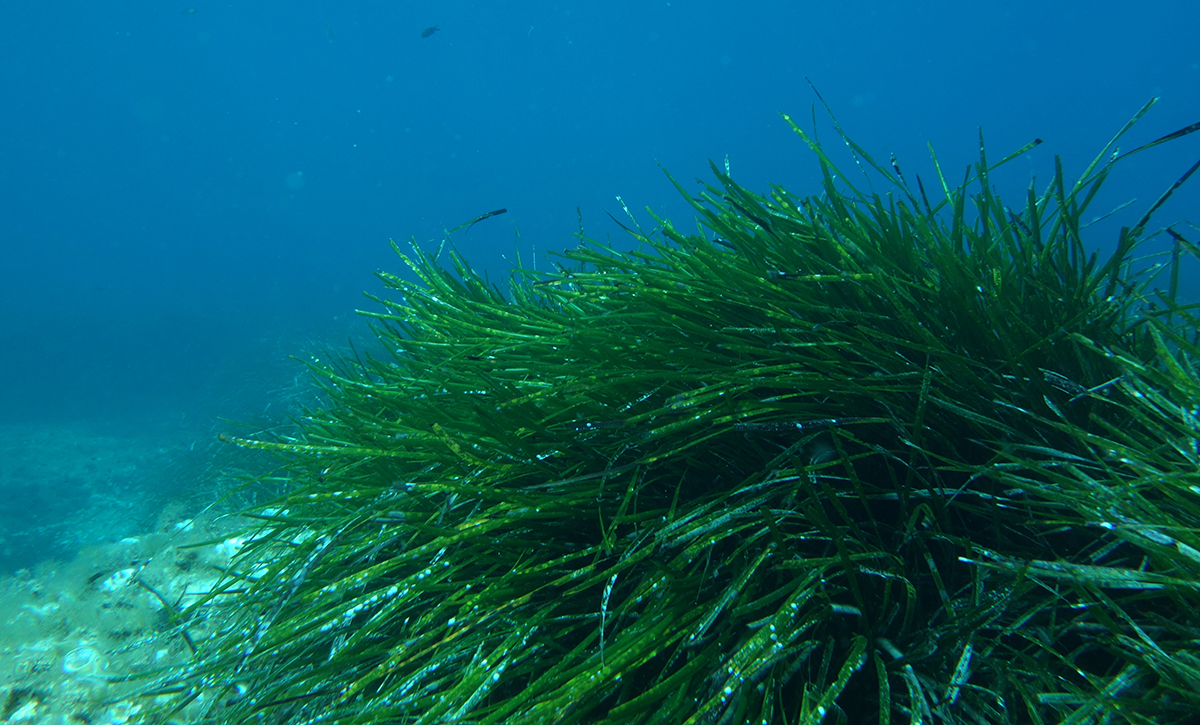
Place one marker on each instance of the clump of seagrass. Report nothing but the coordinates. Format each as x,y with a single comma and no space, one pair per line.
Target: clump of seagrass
849,457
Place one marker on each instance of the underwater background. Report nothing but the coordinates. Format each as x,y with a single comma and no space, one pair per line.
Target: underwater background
194,198
192,194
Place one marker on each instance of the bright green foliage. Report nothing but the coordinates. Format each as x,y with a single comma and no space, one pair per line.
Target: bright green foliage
846,458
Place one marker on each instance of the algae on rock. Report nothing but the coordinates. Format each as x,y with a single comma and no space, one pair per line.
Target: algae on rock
849,457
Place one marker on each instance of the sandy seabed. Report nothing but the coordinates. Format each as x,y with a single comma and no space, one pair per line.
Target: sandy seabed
99,546
79,640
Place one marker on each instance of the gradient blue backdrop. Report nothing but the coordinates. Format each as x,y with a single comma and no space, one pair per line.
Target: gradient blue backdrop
187,195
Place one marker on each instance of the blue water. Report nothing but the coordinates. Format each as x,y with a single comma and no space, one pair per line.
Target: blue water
192,191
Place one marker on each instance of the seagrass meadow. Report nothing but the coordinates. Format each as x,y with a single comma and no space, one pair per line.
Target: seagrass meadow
905,457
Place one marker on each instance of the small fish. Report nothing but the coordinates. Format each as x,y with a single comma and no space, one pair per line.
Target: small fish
429,31
476,220
187,11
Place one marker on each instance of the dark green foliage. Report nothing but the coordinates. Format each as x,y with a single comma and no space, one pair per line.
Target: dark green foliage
852,458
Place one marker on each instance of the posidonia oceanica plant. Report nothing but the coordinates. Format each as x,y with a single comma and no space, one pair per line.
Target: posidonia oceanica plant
858,457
